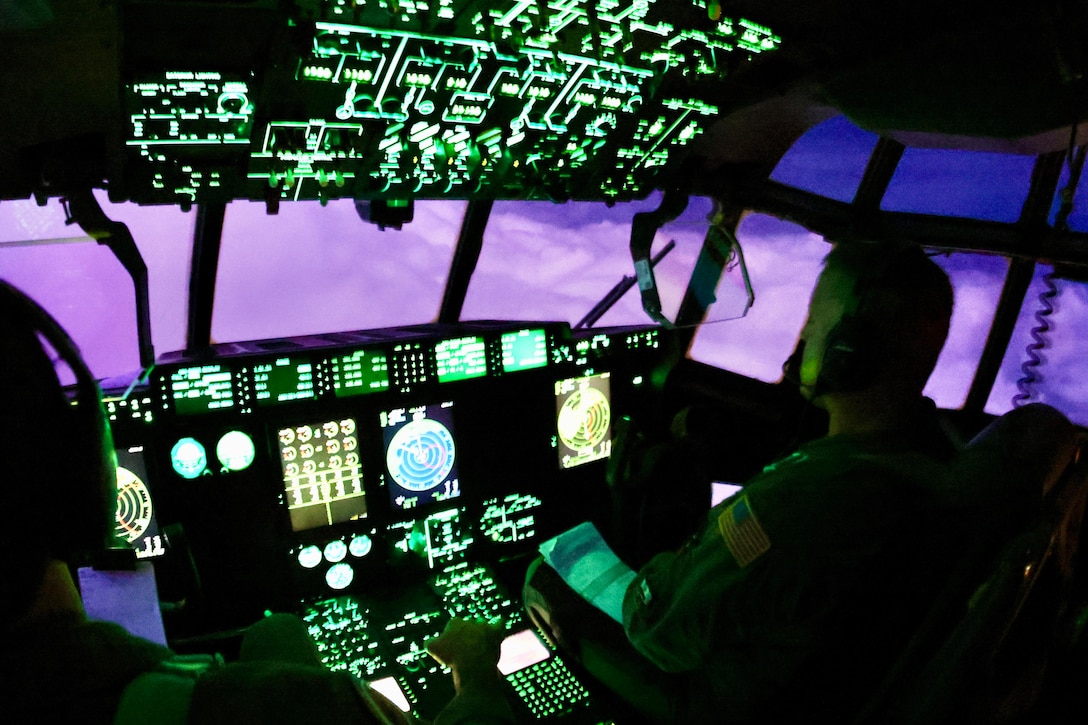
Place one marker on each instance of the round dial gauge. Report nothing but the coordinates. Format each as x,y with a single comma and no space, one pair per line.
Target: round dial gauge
339,576
360,546
188,458
235,451
309,557
335,550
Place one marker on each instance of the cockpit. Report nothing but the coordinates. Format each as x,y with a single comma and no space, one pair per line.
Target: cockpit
375,290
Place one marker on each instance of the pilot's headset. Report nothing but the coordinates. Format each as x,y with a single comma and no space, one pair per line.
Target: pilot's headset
856,347
59,474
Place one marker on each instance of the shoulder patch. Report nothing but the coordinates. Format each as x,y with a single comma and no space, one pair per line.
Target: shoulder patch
742,532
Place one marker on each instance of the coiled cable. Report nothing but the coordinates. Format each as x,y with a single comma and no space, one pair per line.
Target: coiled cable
1031,374
1030,370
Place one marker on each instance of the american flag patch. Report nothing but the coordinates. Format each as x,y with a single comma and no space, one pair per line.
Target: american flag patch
743,535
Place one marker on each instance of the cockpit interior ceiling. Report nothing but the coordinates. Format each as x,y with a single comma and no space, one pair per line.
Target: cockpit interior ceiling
327,99
179,102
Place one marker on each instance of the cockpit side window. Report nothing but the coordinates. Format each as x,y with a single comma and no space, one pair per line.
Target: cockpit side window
309,270
84,286
829,159
784,261
965,184
976,283
1055,371
545,261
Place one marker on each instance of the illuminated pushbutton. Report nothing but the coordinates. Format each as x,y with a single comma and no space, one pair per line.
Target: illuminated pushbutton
339,576
188,458
335,551
235,451
309,557
360,546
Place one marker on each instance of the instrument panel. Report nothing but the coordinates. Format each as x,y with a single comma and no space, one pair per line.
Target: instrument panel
377,483
401,100
309,467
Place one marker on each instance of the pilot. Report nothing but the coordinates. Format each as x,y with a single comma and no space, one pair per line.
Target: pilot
56,665
794,596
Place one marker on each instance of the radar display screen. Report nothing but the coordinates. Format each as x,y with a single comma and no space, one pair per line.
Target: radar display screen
322,473
202,388
361,372
524,350
461,358
583,419
420,455
135,520
283,380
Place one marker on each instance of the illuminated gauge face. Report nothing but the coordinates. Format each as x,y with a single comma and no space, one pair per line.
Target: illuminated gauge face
584,418
188,458
309,557
360,545
339,576
133,505
335,550
235,451
421,455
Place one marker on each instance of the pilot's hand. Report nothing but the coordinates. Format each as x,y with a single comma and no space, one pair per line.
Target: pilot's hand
470,649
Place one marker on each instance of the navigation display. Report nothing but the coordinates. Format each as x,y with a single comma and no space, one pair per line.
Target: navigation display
420,455
322,473
283,380
583,419
202,388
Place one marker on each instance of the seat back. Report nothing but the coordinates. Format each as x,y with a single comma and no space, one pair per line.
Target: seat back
1020,488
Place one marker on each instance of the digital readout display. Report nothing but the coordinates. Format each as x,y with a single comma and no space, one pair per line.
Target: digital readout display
283,380
202,388
361,372
524,350
461,358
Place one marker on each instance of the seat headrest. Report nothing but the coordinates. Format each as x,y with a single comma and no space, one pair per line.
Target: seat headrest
1016,458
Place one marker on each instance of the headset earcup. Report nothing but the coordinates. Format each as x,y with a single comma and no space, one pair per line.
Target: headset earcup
851,357
65,457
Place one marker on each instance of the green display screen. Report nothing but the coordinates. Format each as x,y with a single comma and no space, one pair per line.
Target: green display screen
202,388
283,380
361,372
461,358
524,350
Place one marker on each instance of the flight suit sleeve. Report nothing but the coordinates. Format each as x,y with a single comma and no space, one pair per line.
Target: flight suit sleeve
677,605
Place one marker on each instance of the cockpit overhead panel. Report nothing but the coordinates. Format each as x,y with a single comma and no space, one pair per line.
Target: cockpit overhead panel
557,99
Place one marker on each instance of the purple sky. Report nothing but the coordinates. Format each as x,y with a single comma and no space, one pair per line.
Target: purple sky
318,269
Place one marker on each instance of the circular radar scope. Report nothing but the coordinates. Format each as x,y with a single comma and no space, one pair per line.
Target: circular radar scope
421,455
133,505
584,418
